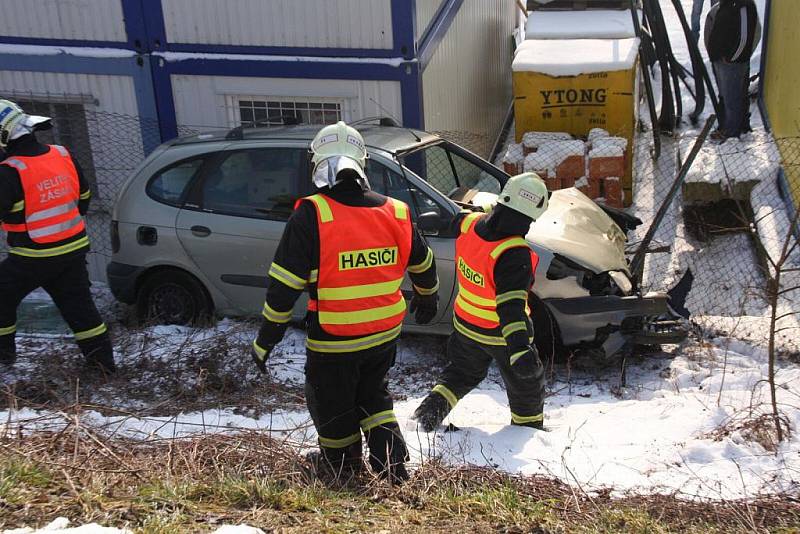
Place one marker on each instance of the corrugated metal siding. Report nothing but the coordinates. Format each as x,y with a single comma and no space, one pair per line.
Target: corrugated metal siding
203,101
467,84
426,9
93,20
299,23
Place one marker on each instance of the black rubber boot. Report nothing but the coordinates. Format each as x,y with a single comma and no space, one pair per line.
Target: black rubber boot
432,412
8,357
8,350
99,354
338,465
388,453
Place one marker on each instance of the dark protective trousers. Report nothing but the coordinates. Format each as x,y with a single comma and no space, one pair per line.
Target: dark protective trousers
67,283
348,394
468,366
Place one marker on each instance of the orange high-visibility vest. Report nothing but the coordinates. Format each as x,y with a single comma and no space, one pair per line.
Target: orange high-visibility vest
52,192
363,256
475,260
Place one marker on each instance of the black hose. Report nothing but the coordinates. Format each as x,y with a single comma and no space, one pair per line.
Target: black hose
648,83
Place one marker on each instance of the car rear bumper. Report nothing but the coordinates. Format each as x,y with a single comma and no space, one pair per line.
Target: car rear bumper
122,281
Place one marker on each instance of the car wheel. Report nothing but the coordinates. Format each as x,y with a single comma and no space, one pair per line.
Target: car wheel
547,336
172,297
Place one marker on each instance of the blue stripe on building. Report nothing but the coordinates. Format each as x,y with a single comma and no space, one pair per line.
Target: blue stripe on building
146,37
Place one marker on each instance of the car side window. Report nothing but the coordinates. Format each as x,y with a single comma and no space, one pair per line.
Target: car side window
385,181
435,166
470,176
169,184
258,183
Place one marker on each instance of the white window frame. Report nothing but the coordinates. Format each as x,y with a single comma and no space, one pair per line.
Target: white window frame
232,105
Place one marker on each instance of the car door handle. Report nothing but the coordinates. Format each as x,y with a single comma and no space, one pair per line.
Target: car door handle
201,231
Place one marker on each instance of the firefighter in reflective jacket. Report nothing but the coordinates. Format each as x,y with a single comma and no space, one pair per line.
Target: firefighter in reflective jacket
43,197
350,247
494,268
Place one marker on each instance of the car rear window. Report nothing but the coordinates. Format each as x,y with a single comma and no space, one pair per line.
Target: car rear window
169,185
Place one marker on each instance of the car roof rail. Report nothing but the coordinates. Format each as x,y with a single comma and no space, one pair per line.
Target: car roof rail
236,134
381,121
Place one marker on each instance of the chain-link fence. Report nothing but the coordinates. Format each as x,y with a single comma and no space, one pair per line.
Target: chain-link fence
107,147
722,235
728,226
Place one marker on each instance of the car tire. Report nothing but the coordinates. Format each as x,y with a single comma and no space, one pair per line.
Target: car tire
547,336
173,297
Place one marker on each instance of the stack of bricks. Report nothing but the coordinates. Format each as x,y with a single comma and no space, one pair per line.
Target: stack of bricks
513,159
541,164
594,167
568,158
540,161
531,141
606,167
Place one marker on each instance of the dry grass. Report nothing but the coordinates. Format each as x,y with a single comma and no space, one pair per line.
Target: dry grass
191,485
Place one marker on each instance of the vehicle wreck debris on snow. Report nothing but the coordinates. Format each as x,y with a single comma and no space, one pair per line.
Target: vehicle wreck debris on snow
195,228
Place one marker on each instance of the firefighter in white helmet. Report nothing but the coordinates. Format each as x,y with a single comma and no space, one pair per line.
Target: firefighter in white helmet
43,198
495,268
350,248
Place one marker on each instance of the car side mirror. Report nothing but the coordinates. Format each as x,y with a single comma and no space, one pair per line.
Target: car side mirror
430,223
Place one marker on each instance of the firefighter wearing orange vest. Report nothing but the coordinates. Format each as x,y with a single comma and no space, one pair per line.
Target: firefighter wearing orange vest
495,269
350,248
43,197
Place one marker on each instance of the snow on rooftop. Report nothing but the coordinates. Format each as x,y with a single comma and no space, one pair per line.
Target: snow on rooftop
77,51
571,57
594,24
172,57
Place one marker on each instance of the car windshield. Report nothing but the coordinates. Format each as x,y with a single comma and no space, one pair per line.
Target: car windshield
456,173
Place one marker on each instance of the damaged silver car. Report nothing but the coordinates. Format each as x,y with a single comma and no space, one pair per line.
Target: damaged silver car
196,226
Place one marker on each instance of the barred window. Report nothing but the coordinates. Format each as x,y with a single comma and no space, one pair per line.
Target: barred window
253,112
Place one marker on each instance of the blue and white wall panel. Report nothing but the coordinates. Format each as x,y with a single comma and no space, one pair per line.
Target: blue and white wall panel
339,24
83,20
466,84
210,101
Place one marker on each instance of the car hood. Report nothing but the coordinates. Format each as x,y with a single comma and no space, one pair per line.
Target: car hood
575,227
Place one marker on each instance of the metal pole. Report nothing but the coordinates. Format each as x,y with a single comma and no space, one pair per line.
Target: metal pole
637,263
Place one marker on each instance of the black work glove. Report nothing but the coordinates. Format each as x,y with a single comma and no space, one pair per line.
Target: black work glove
527,364
261,355
424,307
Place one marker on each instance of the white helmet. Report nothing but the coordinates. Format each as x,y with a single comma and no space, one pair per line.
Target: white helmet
337,148
525,193
14,123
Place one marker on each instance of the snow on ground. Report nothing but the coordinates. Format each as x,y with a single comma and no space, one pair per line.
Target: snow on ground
678,426
61,525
